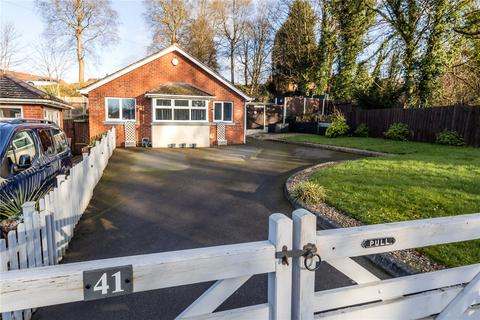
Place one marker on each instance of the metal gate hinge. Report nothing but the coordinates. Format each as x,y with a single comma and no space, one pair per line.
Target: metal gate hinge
309,251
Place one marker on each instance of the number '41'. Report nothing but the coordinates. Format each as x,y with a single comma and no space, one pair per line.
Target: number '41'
102,283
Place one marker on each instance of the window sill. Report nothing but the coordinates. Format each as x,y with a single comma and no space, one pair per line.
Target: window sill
181,123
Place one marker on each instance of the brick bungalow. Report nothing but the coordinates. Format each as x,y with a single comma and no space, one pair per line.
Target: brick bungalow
18,99
168,98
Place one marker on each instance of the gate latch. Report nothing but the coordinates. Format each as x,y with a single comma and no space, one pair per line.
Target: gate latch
309,252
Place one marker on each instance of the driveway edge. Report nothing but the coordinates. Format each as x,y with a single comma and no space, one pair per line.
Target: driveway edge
335,148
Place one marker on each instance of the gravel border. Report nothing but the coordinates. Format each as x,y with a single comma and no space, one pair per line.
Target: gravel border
397,263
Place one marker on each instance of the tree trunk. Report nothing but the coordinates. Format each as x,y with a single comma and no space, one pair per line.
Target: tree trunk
80,59
232,63
409,76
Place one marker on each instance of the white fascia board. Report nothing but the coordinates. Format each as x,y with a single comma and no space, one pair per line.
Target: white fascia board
157,55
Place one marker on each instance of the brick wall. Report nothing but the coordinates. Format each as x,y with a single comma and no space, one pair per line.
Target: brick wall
36,111
33,112
148,77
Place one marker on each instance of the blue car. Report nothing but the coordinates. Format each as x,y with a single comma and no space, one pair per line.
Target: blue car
32,153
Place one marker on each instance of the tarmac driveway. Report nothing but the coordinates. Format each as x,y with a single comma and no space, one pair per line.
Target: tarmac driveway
154,200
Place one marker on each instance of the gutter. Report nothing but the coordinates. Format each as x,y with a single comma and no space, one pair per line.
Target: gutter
45,102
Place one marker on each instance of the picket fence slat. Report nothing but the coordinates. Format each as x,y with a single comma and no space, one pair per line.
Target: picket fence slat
4,267
43,236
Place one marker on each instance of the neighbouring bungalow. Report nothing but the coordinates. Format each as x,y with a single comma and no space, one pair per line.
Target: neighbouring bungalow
169,99
31,79
18,99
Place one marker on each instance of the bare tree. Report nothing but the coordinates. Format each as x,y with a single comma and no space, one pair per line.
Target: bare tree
9,47
167,20
255,47
51,60
232,18
81,25
200,35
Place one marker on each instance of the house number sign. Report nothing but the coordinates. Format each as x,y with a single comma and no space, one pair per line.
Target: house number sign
107,282
378,242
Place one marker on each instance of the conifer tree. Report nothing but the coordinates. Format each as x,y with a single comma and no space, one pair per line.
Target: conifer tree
293,54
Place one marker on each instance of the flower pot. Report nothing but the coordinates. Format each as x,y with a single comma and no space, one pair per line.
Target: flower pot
6,226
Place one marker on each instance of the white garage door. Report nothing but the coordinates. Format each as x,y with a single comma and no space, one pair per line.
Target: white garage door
165,134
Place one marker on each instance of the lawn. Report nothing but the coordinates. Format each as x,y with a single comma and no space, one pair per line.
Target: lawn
422,181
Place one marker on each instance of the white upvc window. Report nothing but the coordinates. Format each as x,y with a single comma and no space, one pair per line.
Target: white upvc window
11,112
223,111
120,109
184,110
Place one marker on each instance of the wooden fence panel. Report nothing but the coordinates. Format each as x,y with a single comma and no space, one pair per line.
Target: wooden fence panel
425,123
78,133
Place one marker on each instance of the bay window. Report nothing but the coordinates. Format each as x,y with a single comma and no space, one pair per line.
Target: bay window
223,112
180,110
120,109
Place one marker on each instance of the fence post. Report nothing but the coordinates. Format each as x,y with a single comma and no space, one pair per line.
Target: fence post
280,281
303,290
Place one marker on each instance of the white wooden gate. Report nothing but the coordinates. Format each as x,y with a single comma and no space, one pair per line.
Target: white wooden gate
230,265
447,294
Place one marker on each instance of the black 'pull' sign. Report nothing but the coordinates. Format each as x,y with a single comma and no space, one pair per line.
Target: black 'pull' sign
378,242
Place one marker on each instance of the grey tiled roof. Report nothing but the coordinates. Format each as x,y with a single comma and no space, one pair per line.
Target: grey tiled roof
180,89
12,88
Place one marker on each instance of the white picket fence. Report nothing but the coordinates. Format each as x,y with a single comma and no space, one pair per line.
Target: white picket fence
43,236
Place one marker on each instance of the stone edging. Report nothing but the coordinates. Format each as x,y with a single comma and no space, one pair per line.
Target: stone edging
329,217
336,148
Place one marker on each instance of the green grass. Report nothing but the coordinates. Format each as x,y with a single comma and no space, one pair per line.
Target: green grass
423,181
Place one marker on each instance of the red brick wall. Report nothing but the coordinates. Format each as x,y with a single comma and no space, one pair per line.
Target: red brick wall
36,111
33,112
148,77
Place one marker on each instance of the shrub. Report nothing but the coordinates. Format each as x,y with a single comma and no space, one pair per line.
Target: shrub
449,137
397,131
13,197
339,126
361,131
308,192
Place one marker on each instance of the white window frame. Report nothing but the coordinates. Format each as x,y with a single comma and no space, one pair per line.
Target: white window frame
222,120
120,119
12,107
173,107
54,115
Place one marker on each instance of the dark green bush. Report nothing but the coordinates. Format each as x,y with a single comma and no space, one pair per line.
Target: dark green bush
339,126
397,131
451,138
361,131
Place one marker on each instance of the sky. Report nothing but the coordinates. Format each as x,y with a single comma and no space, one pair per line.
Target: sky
132,46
